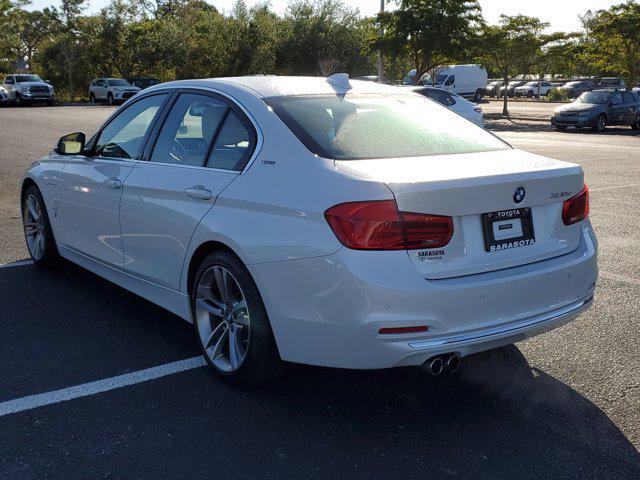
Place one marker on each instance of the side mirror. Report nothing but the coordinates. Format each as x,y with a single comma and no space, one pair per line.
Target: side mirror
71,144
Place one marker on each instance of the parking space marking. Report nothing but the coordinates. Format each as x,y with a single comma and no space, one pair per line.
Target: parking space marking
18,263
99,386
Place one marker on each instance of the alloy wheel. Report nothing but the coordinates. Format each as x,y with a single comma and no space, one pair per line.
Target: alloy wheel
222,318
34,227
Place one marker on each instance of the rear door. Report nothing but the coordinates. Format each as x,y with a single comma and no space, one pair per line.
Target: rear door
204,142
617,110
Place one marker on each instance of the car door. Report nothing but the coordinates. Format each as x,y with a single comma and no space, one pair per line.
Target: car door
10,87
91,185
101,89
200,148
617,111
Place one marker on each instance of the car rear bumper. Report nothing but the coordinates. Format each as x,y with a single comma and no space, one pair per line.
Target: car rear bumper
329,310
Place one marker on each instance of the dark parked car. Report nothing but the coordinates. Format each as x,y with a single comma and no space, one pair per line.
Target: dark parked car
599,108
511,88
143,82
613,83
577,88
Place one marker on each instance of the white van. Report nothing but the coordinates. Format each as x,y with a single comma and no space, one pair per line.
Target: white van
465,80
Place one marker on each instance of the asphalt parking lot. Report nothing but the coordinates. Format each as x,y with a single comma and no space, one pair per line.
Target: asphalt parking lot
562,405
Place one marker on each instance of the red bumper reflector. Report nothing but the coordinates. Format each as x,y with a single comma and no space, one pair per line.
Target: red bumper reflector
396,330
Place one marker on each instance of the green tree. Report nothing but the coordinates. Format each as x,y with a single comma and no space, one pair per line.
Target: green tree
513,47
32,29
617,40
432,33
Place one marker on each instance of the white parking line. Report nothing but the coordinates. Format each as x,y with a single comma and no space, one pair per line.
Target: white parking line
99,386
19,263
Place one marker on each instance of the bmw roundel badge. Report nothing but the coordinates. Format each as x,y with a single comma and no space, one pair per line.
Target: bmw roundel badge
518,197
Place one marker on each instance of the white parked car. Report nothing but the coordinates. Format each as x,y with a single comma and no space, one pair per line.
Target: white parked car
111,90
530,89
469,110
319,221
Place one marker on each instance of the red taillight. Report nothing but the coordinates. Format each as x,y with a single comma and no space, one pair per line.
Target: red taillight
378,225
576,208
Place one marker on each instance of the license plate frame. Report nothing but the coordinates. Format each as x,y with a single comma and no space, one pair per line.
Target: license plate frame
491,244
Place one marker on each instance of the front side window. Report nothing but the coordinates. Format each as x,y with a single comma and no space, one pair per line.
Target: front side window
123,137
353,127
189,129
628,97
450,80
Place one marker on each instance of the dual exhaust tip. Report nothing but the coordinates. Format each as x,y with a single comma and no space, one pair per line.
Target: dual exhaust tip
438,364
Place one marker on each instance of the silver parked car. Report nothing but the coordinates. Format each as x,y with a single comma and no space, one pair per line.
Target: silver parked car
26,88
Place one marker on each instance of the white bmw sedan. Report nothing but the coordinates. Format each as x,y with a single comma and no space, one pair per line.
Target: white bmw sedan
318,220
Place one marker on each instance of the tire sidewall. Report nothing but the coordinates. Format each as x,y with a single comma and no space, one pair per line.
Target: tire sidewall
261,341
50,255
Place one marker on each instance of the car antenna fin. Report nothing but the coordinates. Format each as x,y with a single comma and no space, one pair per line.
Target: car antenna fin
340,80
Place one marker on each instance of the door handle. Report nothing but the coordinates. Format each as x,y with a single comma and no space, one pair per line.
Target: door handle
198,192
112,182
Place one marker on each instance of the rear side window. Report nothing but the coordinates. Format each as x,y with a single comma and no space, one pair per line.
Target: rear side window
353,127
233,145
123,137
189,130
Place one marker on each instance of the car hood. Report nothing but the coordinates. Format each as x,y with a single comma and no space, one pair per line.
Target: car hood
576,107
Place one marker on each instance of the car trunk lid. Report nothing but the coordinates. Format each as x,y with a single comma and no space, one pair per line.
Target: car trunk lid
480,192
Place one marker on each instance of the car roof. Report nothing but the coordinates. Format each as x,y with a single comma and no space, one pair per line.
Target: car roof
275,86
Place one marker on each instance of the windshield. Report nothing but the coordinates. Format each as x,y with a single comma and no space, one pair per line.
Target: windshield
28,78
531,84
354,127
594,97
118,82
514,84
572,84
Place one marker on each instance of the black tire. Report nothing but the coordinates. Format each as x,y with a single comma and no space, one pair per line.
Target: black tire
19,102
600,123
92,98
530,94
636,124
110,100
561,128
50,103
262,361
478,96
49,257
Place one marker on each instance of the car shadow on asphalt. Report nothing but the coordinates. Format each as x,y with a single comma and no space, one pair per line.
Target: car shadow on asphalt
515,125
497,417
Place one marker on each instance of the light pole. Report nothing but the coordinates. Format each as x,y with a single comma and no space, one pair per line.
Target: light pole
380,59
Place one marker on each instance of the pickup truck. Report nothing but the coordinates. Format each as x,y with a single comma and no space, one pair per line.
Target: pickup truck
25,88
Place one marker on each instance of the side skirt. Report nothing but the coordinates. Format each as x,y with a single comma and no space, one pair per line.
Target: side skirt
171,300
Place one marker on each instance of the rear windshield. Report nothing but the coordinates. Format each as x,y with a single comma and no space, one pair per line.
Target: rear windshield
354,127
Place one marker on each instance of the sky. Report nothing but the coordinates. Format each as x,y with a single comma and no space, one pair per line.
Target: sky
561,14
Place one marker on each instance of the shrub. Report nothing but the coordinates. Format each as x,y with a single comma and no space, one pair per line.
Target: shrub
557,95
